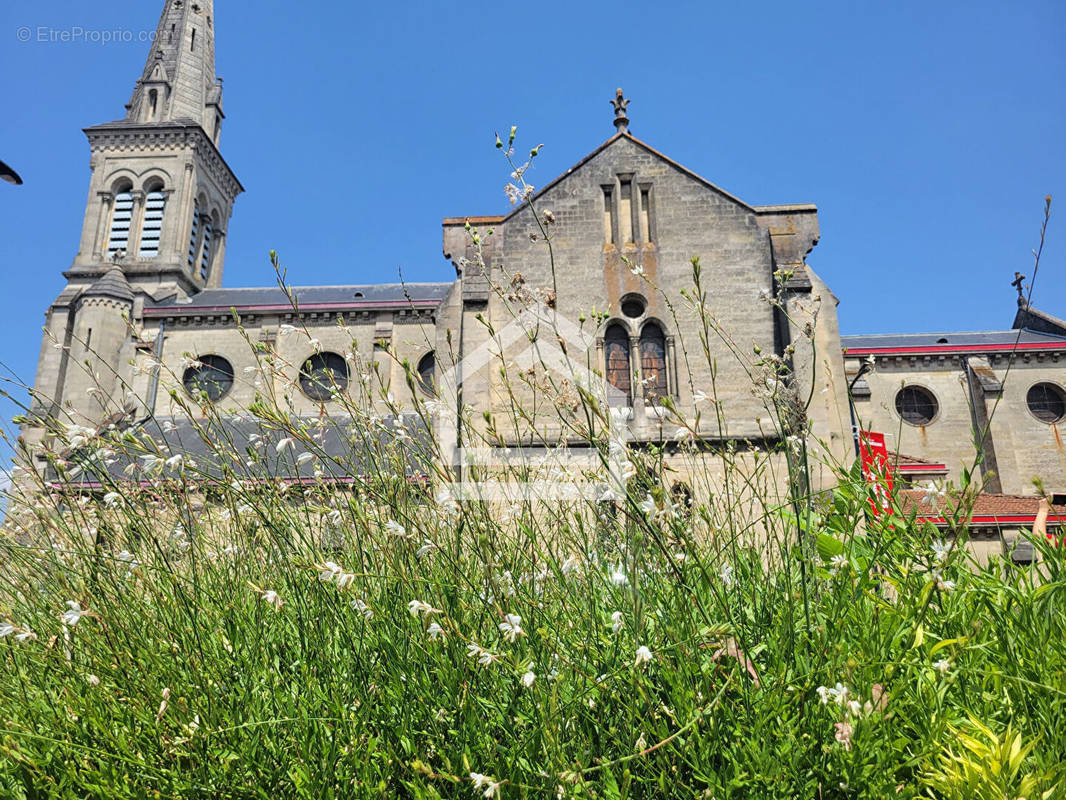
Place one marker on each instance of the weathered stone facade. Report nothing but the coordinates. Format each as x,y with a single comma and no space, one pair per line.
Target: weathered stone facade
144,307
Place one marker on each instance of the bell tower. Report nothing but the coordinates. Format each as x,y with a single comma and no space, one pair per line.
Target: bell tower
160,200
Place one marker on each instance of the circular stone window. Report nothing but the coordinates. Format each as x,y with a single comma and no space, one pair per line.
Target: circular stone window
324,375
427,374
1047,402
916,405
634,306
212,376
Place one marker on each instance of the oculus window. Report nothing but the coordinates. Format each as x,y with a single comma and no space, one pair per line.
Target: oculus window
916,405
324,375
213,377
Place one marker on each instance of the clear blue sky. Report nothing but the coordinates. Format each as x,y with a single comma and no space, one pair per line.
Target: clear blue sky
927,133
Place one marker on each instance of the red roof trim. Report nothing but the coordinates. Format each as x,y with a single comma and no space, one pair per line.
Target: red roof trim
169,311
948,349
1004,519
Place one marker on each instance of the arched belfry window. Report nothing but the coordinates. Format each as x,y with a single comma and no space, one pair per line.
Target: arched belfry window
205,255
653,363
194,236
616,357
121,217
155,203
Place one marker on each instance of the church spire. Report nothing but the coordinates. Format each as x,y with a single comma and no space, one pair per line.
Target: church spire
179,76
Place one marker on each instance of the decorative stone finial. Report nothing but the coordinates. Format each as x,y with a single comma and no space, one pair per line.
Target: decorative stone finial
1017,284
621,121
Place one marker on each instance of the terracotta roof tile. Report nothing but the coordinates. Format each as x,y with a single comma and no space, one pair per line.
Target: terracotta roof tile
986,505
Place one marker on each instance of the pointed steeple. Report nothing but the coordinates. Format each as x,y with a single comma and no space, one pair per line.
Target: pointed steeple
179,81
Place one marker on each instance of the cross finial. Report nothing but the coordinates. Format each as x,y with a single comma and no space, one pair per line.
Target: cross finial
621,121
1017,283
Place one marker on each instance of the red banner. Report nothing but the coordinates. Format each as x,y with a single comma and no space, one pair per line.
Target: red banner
876,470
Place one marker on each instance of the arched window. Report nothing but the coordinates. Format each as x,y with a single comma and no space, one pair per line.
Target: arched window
427,374
194,236
653,363
155,203
205,255
323,375
211,376
121,216
616,356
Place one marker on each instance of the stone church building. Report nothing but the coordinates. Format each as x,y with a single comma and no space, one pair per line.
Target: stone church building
145,311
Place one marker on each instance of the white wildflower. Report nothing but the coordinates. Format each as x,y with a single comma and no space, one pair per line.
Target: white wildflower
940,551
617,621
942,666
345,579
73,614
528,678
285,443
416,607
483,656
511,627
699,396
638,270
643,655
434,631
111,499
618,576
490,785
395,528
838,693
272,598
285,330
426,548
329,571
932,494
725,574
363,608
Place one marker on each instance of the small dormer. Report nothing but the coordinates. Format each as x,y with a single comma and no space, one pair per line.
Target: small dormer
153,94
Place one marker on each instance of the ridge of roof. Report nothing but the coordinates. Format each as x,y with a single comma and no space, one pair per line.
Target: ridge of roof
680,167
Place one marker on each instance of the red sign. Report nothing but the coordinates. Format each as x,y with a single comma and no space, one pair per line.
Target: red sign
876,470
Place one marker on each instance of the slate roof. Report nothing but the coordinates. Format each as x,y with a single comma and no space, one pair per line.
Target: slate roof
342,447
309,298
951,340
113,283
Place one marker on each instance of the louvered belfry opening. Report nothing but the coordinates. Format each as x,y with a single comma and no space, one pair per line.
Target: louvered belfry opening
205,256
155,204
653,363
194,235
618,368
121,217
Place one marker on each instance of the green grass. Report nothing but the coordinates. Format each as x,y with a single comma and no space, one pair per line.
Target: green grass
319,699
